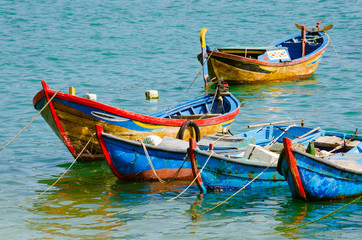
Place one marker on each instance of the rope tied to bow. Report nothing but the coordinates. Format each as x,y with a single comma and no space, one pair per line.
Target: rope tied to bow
32,120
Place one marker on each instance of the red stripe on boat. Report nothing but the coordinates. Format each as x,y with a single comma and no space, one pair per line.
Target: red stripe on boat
105,151
56,119
132,115
292,166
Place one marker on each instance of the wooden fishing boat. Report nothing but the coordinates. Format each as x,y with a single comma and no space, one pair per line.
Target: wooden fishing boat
73,119
223,170
295,57
154,158
133,160
334,176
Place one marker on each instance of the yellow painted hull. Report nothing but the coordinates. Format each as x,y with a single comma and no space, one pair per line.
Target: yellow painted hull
256,72
73,119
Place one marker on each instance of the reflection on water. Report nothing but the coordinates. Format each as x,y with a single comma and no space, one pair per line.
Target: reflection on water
89,197
279,101
277,211
306,87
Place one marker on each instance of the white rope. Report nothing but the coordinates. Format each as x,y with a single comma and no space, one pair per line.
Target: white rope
336,52
192,180
30,121
149,161
199,71
64,172
197,215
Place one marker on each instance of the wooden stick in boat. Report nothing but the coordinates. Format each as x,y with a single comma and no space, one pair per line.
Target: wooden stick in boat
272,123
311,131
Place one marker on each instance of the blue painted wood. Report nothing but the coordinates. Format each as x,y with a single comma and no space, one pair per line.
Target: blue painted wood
226,171
323,179
130,160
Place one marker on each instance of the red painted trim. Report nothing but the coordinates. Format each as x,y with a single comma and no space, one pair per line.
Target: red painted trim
292,166
56,120
303,40
195,170
105,152
281,64
132,115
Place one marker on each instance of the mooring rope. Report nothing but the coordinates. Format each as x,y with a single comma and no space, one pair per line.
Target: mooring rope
195,216
178,171
199,72
312,40
192,180
212,103
30,121
149,161
336,52
315,220
64,172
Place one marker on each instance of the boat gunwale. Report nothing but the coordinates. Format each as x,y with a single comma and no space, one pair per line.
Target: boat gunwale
136,116
148,146
315,53
325,162
241,160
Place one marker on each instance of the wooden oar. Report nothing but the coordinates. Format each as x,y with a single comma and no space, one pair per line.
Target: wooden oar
306,134
273,123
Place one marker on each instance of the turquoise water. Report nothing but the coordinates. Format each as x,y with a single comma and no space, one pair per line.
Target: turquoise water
120,49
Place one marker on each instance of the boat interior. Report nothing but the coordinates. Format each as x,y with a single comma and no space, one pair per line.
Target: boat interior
286,51
206,107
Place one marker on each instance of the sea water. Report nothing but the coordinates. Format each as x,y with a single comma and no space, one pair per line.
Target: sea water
120,49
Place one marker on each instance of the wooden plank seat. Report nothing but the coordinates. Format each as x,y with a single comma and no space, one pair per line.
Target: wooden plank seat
334,141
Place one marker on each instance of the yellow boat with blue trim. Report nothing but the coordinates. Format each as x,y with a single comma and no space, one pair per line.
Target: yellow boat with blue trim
295,57
74,118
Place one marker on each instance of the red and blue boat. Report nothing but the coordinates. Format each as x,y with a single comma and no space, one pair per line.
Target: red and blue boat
155,158
133,160
218,171
73,119
295,57
334,172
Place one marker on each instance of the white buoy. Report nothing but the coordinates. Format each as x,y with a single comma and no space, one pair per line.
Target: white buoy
151,94
90,96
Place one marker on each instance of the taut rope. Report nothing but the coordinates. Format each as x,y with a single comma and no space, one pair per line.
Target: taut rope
195,216
199,71
30,121
192,180
176,174
315,220
64,172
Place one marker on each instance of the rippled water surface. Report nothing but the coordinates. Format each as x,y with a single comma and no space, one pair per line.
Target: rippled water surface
120,49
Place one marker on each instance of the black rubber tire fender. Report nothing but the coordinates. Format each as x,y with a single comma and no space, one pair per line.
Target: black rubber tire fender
181,132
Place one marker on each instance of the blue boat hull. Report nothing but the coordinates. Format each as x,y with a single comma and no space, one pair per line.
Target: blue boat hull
222,172
321,179
129,162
